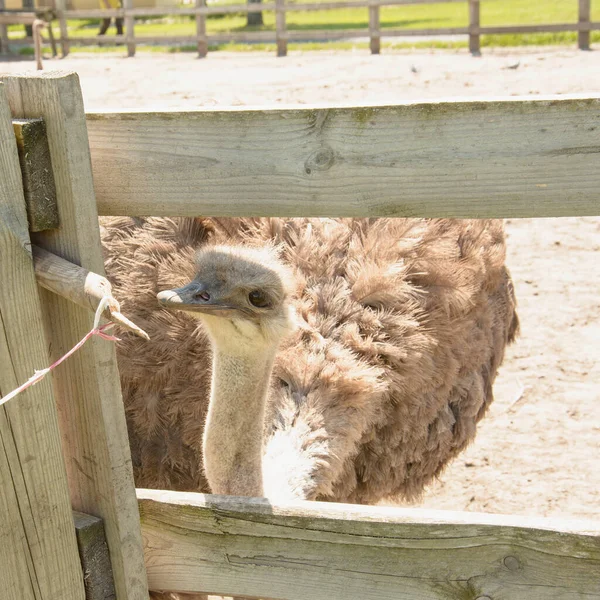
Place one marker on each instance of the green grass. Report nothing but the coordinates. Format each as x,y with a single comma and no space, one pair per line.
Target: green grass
493,12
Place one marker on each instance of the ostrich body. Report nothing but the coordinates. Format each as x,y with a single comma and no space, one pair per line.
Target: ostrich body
402,325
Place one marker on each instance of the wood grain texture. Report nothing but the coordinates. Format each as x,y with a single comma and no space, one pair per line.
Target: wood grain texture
87,385
36,169
95,558
245,546
80,286
38,551
69,280
510,158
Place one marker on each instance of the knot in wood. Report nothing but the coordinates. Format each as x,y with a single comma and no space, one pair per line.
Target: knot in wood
512,563
320,160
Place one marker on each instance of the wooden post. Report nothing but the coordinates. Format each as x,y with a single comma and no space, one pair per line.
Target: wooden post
95,559
37,26
3,33
61,7
90,406
474,36
584,20
201,30
36,170
51,37
129,27
38,552
374,28
280,28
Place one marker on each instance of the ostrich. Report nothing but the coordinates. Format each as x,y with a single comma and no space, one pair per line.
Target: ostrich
242,297
401,325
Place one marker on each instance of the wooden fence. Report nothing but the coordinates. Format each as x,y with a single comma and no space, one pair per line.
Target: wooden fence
282,34
456,159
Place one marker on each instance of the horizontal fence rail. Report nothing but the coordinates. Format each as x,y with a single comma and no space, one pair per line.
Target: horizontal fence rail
508,158
243,546
282,33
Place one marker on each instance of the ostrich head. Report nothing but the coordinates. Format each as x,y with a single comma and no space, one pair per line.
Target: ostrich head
241,295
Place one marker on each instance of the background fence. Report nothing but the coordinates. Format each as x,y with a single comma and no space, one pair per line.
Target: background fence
281,35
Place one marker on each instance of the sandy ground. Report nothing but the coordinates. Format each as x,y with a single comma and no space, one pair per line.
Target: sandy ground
181,80
538,451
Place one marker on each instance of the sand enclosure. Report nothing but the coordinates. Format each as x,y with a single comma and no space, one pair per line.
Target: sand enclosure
538,450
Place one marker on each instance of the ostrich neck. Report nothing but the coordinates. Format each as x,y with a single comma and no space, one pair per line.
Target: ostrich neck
233,436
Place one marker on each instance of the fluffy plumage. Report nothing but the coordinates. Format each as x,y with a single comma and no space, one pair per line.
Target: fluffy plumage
402,327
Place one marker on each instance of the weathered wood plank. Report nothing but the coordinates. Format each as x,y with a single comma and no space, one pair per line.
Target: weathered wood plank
95,558
79,286
108,39
87,386
202,40
388,32
36,168
3,33
327,34
583,40
374,30
547,28
38,551
96,13
129,27
17,19
316,550
280,28
509,158
61,6
474,24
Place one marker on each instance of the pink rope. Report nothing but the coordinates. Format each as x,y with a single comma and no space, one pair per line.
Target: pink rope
39,375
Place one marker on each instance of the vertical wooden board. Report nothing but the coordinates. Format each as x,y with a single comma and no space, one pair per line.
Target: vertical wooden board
474,22
95,559
3,33
374,29
61,6
87,386
129,27
584,19
201,30
38,553
36,168
280,28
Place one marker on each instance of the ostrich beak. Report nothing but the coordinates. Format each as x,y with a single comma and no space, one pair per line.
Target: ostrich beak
195,297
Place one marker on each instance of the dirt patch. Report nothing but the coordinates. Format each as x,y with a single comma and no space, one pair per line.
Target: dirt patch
538,450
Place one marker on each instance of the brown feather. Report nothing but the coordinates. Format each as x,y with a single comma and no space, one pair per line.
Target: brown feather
404,323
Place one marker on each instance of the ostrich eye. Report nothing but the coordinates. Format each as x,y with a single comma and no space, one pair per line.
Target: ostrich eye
258,299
